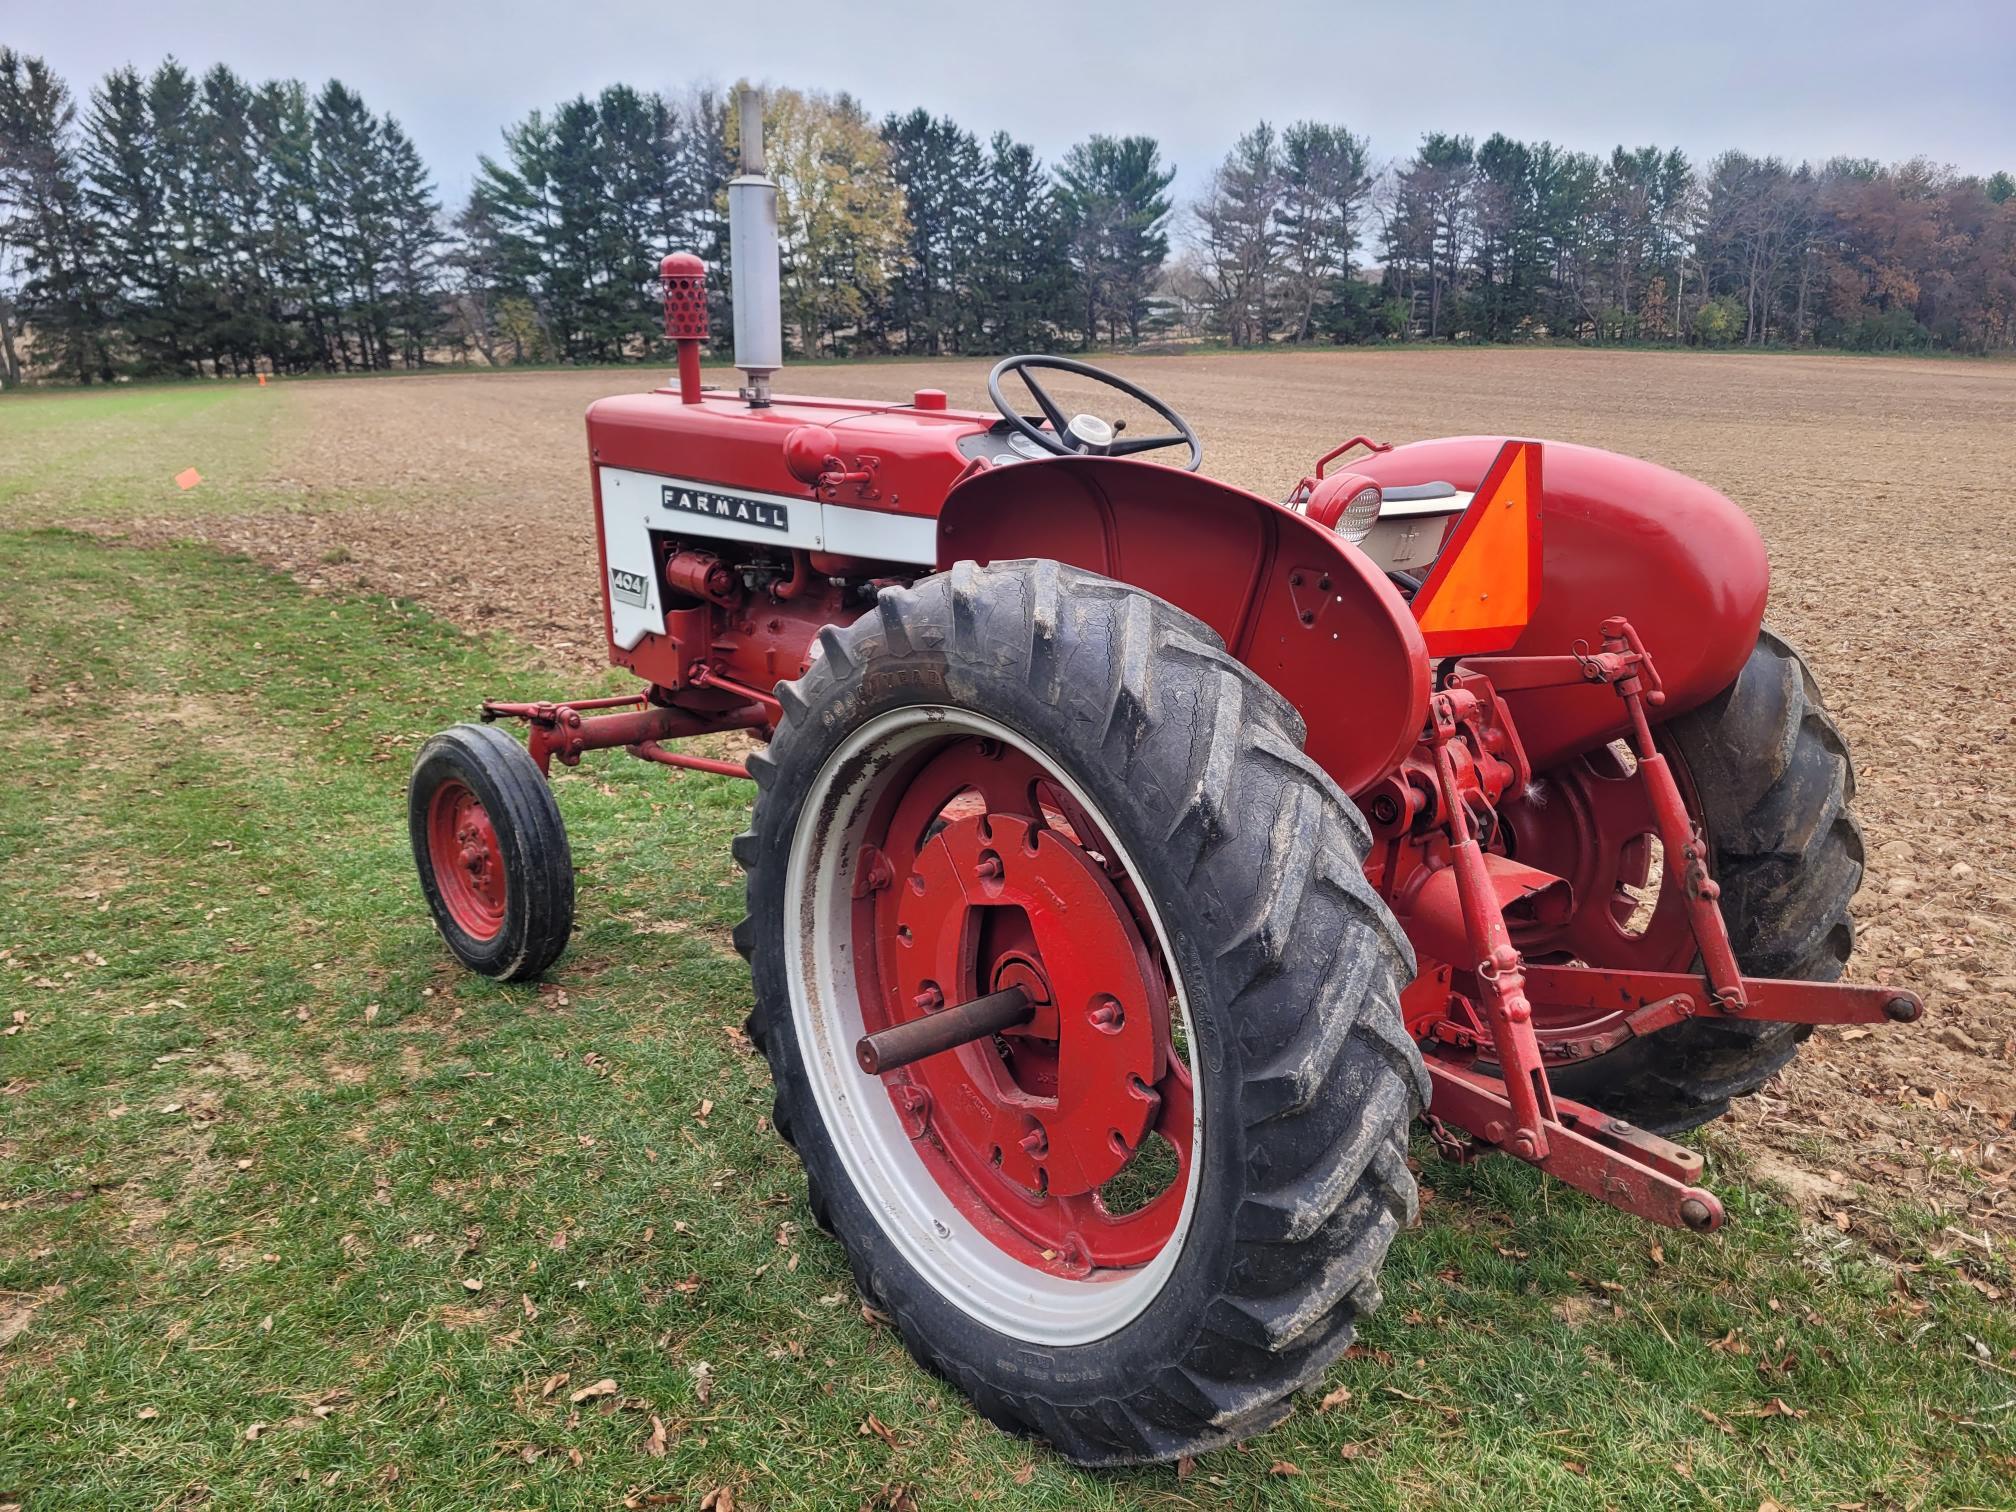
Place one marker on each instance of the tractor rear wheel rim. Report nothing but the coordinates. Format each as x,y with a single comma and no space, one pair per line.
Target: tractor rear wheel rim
468,860
1595,827
1042,1179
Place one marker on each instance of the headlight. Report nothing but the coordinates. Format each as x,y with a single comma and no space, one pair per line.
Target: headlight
1360,515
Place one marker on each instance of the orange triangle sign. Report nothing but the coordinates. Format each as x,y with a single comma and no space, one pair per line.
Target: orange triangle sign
1486,583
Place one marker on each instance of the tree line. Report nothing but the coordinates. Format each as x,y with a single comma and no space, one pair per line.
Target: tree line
173,224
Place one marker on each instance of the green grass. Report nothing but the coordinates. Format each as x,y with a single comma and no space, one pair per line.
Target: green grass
257,1134
77,454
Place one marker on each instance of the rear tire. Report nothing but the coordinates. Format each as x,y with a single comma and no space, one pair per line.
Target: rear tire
1286,968
1774,781
492,852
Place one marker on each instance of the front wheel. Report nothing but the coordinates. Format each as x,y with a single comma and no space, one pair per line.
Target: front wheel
1137,1222
491,851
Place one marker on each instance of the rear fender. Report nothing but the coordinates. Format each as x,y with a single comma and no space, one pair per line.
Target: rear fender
1306,612
1623,536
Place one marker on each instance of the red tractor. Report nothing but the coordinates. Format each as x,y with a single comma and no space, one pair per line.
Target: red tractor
1134,859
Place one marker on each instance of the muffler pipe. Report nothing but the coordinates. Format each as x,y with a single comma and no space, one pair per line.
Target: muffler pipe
752,260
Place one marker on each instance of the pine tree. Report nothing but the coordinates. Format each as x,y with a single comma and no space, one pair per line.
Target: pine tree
1240,238
1116,208
48,256
937,165
298,311
412,247
1507,250
1325,180
476,279
639,216
129,202
1021,272
1429,226
512,205
228,219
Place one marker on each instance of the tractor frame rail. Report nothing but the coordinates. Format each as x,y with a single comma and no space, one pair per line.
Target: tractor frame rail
566,730
1516,1110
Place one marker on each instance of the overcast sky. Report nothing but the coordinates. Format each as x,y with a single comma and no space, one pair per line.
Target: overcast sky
1812,80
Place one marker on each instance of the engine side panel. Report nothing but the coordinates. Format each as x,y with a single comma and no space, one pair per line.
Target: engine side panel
717,475
1622,536
1308,613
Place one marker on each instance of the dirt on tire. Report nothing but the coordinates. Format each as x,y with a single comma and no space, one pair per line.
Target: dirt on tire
1885,490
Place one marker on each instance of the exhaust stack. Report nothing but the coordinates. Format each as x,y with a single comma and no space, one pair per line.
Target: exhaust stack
752,254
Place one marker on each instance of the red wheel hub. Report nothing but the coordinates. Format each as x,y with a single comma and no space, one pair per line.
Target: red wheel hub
1592,823
982,874
467,859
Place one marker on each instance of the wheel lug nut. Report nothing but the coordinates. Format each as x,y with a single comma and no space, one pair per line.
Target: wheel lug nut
989,867
930,1000
1036,1144
1107,1014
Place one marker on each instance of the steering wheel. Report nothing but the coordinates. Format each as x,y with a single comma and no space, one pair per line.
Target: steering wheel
1086,435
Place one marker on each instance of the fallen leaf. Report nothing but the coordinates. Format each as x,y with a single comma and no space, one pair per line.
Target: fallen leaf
1351,1451
703,1380
1023,1475
266,1324
254,1431
1284,1467
602,1388
471,1283
1186,1466
148,1414
720,1499
553,1384
1335,1398
654,1445
879,1429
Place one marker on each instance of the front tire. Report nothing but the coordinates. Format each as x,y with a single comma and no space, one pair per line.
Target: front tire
1136,748
492,852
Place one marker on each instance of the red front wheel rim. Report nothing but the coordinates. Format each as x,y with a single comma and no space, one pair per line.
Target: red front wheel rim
467,860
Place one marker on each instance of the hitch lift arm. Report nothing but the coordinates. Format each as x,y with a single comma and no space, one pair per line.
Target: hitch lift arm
1517,1111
